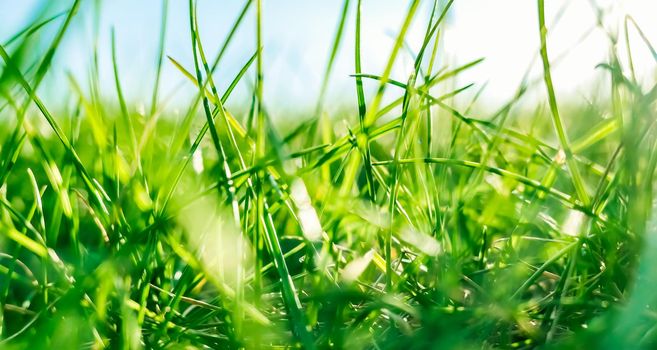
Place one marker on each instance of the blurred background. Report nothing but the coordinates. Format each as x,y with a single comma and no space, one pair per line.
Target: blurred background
297,35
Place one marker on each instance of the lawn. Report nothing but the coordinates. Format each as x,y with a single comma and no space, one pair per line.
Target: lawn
410,215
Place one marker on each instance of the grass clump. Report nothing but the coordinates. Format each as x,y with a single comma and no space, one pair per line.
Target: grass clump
426,223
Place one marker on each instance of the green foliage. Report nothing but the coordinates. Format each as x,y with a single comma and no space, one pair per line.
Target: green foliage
425,223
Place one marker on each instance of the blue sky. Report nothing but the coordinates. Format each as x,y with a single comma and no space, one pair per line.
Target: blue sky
297,35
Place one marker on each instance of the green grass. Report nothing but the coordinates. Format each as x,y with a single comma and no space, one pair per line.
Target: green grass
429,221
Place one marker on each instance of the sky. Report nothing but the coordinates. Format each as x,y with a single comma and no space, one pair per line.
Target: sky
298,35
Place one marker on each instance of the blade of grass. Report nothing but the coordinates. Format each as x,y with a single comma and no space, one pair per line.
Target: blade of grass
578,183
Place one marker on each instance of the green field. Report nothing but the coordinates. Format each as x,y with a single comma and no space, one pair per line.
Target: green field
410,215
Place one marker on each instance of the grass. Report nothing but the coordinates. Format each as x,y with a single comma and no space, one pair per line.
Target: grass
429,221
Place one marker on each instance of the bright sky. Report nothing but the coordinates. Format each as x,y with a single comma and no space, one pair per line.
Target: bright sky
297,36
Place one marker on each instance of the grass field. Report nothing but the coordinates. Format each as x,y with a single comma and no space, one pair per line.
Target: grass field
412,218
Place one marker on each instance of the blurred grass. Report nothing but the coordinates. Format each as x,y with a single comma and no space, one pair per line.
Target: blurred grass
417,222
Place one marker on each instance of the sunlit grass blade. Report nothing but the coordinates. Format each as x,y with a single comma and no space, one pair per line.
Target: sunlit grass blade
578,182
